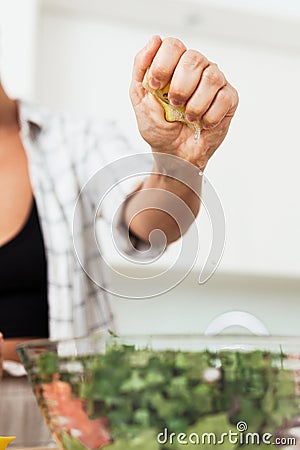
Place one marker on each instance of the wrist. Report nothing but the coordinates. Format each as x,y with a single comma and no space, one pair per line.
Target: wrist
199,162
170,170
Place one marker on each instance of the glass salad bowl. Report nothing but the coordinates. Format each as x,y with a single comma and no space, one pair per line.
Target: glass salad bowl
167,392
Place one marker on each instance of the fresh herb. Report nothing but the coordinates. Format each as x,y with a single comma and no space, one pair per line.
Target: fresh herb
142,392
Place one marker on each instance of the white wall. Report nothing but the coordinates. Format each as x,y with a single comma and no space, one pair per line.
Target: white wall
85,64
18,39
189,308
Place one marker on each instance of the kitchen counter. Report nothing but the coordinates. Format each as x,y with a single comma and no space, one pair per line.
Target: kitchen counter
33,448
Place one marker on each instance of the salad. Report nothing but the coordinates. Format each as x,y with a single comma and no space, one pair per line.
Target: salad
131,399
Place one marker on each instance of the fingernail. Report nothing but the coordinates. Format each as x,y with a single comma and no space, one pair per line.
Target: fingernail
208,126
154,83
190,118
175,102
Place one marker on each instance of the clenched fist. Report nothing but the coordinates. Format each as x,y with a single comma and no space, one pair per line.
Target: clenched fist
196,84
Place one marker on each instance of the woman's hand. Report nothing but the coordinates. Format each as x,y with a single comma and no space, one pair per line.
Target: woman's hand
197,84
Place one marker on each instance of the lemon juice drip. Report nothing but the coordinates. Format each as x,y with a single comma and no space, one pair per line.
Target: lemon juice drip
197,131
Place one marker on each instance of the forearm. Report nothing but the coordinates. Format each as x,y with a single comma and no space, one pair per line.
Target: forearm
9,349
165,203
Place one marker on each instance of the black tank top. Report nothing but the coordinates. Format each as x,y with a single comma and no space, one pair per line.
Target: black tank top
23,283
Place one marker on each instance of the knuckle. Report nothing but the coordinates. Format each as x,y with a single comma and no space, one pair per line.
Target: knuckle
194,59
213,76
229,97
224,97
174,42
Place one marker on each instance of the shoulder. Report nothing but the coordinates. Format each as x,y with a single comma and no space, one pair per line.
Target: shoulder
65,123
78,134
77,138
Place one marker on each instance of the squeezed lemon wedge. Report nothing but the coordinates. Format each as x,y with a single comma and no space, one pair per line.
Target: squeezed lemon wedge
172,113
5,440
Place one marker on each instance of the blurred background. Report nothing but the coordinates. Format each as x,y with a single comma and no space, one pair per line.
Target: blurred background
76,55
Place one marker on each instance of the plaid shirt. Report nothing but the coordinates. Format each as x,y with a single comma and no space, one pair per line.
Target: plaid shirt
63,153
